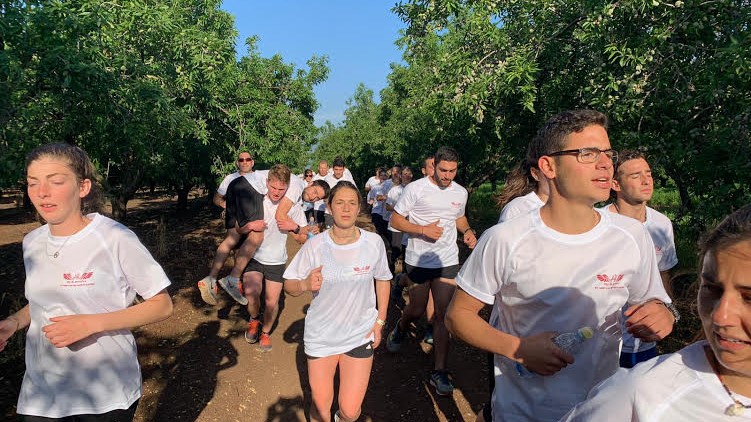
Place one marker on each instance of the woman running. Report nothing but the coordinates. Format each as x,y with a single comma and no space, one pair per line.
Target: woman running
348,310
83,272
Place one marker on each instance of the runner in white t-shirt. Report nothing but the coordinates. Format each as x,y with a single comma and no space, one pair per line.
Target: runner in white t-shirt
633,187
348,310
83,272
319,207
268,261
705,381
557,269
435,208
337,174
392,197
377,198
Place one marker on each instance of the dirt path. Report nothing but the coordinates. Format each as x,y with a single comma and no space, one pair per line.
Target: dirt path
197,365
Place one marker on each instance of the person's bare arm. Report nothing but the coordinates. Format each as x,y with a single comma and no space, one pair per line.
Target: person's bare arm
18,321
469,236
68,329
537,353
282,211
432,231
219,201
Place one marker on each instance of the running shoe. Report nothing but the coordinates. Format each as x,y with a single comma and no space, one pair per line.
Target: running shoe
428,338
233,286
265,343
395,339
254,327
439,379
207,287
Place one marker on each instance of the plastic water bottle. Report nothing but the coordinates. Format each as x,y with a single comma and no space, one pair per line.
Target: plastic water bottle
311,224
570,342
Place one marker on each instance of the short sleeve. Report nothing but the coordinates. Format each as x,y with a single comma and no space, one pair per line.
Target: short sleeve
481,275
407,201
140,269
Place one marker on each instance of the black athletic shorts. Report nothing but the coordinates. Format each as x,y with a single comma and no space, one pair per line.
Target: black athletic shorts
244,203
360,352
419,275
270,272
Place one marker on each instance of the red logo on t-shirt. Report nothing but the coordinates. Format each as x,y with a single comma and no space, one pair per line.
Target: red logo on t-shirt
78,279
609,281
456,204
658,250
361,270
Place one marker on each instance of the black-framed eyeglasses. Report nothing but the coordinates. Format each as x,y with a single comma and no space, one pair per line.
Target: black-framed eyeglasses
244,160
587,155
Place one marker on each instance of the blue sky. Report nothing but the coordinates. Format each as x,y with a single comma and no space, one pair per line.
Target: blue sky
357,36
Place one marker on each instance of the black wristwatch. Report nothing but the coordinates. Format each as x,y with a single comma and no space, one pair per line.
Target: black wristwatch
673,310
296,230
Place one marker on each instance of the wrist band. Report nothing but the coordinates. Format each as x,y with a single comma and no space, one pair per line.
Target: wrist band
381,322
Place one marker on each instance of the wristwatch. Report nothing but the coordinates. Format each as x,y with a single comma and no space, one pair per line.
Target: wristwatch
673,310
296,230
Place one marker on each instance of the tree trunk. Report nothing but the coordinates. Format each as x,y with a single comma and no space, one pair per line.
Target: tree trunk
119,207
182,197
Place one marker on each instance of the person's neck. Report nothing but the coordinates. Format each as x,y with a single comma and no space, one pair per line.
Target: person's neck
737,383
543,196
344,235
637,211
568,217
69,228
243,173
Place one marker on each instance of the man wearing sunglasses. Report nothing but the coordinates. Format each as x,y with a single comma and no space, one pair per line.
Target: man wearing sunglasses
557,269
243,208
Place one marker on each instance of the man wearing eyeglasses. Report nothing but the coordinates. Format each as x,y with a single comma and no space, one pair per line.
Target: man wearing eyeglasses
556,269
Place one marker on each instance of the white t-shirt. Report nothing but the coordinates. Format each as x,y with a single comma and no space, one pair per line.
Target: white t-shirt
343,311
372,182
677,387
392,197
273,249
99,270
660,229
332,181
379,189
542,280
520,205
423,202
222,189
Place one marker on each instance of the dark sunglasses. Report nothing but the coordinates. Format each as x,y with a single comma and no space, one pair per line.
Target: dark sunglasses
244,160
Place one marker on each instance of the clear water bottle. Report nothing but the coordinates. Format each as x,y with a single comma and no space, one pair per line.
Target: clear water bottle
311,224
570,342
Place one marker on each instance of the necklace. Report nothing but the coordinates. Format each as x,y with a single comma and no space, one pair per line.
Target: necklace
737,408
57,252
